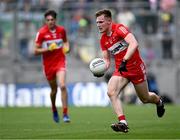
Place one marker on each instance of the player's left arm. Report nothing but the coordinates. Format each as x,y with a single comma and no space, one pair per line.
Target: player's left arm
133,45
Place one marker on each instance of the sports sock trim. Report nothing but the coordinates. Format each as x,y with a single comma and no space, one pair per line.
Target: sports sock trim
122,117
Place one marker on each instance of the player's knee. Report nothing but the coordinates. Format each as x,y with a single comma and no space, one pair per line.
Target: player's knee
53,91
63,87
110,94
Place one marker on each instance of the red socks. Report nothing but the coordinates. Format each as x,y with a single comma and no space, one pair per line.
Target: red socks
122,117
54,108
65,110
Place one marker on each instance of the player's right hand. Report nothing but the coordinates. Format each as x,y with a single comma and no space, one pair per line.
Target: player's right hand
52,47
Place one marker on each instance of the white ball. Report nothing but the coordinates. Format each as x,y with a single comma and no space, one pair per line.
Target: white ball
98,66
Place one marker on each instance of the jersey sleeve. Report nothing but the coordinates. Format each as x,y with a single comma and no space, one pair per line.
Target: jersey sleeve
122,30
39,38
64,36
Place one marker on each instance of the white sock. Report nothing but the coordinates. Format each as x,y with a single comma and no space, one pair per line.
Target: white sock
123,121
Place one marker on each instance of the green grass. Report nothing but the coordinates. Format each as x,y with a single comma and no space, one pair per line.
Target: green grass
89,123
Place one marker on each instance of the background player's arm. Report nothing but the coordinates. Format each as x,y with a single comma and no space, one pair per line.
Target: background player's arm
133,44
39,50
106,57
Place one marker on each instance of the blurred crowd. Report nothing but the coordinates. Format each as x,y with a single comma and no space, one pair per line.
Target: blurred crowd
146,18
154,23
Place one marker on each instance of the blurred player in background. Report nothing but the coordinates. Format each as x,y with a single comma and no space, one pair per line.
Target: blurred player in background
129,67
51,41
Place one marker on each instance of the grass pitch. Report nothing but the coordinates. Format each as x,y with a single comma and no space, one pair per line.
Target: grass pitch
89,123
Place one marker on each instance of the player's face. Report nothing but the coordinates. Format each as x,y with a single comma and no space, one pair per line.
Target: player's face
103,23
50,21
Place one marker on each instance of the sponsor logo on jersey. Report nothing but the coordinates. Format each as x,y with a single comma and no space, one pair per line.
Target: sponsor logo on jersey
58,42
118,47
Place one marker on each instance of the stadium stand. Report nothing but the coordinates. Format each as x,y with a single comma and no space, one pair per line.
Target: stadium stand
18,65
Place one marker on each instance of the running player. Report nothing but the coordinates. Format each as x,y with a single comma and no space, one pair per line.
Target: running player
51,41
129,67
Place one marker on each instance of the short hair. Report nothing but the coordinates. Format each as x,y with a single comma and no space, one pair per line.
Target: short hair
51,13
105,12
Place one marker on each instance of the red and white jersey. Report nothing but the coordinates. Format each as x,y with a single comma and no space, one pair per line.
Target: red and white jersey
117,46
45,38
